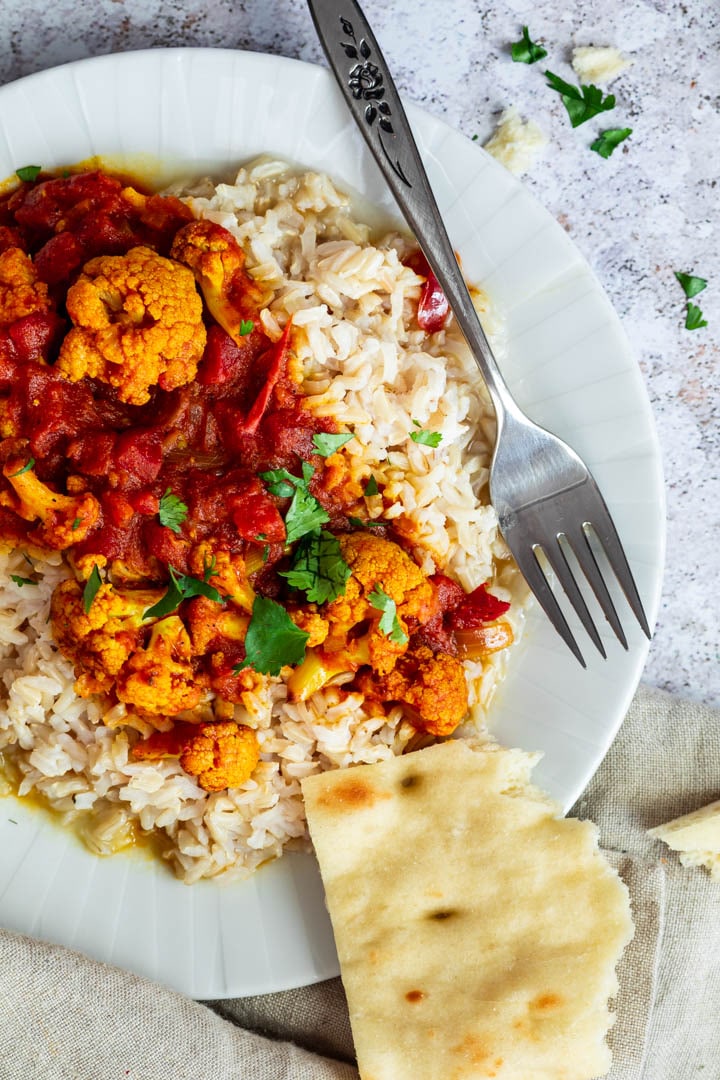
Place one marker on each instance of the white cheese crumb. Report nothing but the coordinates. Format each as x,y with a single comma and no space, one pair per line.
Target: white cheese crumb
696,836
598,64
516,143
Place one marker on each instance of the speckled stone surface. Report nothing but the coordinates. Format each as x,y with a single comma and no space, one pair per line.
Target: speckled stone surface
649,210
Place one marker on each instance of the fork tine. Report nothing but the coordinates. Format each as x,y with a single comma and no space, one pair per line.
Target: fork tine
558,561
532,572
580,546
604,528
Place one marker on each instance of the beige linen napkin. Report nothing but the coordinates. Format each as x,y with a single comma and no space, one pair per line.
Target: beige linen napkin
63,1017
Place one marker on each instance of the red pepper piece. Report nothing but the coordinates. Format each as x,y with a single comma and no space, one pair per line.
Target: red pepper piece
433,307
477,608
274,371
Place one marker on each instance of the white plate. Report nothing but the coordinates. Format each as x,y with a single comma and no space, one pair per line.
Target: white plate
570,366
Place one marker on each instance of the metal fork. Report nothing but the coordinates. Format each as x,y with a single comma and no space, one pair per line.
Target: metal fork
545,498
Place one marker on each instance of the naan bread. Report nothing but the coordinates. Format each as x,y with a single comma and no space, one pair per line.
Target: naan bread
477,930
696,837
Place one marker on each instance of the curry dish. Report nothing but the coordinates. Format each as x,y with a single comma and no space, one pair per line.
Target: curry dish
215,528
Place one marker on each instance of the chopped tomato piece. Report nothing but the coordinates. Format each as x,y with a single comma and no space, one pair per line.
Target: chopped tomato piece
478,607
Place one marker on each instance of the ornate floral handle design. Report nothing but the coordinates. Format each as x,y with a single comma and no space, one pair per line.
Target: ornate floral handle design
369,91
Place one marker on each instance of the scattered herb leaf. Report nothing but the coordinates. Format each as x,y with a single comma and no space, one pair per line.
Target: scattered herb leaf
209,568
425,438
389,623
92,585
526,51
172,511
25,468
76,524
265,552
28,173
318,568
181,587
691,284
327,444
246,327
608,140
371,488
360,524
305,514
20,581
581,102
273,640
694,318
475,138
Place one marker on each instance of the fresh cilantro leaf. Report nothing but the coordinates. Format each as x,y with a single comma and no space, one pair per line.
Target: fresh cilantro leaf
28,173
581,102
265,552
181,587
209,569
76,524
272,639
425,438
360,524
609,140
371,488
526,51
246,327
20,581
261,536
475,138
389,623
25,468
327,444
279,482
691,285
172,511
93,583
694,318
318,568
305,514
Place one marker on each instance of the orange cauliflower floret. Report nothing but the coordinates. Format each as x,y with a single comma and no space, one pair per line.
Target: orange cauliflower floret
137,324
432,684
210,624
64,520
161,678
100,641
375,564
225,572
221,754
20,291
217,260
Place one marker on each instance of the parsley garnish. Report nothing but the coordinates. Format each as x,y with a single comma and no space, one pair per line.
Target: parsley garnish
28,173
694,318
182,587
273,640
608,140
526,51
691,284
425,438
581,102
25,468
305,514
20,581
265,552
318,568
475,138
389,623
371,488
326,444
246,327
92,585
172,511
76,524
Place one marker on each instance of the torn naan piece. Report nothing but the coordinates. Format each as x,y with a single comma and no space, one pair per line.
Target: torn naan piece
477,930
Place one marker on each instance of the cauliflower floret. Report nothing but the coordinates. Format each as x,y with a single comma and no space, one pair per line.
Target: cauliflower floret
138,324
210,624
100,641
217,260
221,754
64,519
20,291
225,572
375,563
432,684
161,678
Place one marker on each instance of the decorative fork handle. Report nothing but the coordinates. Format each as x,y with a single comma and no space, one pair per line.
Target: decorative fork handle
368,88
